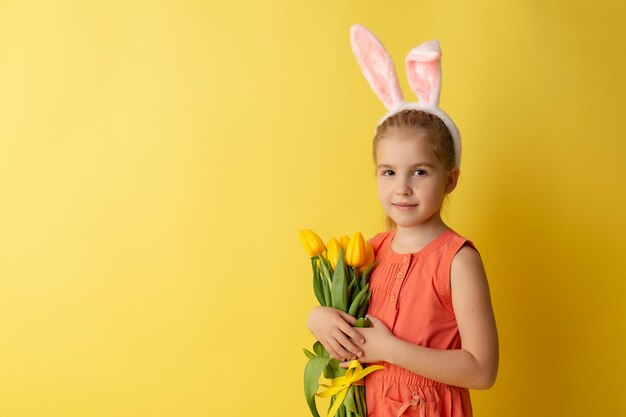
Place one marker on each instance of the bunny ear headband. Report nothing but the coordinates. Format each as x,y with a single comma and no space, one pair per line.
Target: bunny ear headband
423,67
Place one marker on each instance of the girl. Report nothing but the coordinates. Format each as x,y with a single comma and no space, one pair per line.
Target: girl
433,325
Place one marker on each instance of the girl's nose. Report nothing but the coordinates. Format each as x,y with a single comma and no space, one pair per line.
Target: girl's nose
403,188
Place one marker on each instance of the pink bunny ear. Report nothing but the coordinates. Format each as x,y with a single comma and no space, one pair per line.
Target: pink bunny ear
423,68
376,65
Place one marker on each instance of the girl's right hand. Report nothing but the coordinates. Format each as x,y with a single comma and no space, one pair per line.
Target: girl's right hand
333,328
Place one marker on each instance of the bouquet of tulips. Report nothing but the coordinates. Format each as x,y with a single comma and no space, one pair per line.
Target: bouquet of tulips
341,269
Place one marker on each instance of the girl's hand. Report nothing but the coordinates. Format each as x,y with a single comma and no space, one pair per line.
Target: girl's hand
333,329
378,339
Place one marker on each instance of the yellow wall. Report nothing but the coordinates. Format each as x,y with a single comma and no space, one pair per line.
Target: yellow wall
158,158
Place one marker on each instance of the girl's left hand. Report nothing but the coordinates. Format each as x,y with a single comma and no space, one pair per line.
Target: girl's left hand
377,340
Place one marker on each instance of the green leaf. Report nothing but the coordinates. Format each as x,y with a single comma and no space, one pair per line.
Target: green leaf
326,268
333,370
354,276
359,399
309,354
364,305
358,300
362,322
320,350
341,411
366,274
312,373
350,401
339,290
341,261
353,288
318,288
330,405
328,301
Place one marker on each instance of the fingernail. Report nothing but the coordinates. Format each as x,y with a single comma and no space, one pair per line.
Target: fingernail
359,353
362,340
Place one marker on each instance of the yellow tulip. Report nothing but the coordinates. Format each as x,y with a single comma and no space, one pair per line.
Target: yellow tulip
332,248
344,240
323,255
369,257
355,254
312,243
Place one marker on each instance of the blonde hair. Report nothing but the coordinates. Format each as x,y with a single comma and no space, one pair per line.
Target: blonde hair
436,132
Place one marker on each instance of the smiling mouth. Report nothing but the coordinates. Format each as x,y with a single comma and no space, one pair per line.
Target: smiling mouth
404,206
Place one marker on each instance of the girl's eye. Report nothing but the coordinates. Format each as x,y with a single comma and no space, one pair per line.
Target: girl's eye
387,173
419,172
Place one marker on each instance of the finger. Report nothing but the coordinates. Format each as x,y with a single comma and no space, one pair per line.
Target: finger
340,349
341,354
352,332
344,364
347,317
353,349
333,354
373,319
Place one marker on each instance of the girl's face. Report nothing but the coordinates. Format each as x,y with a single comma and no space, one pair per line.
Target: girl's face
412,182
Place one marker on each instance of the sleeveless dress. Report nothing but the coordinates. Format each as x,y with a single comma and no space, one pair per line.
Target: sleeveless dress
411,295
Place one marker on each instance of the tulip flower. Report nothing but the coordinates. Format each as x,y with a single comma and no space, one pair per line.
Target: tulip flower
344,240
312,243
332,248
369,257
355,254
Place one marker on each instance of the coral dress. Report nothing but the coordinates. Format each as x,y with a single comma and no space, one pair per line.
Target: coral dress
411,295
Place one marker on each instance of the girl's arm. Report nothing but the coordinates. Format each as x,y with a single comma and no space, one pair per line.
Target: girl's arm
475,365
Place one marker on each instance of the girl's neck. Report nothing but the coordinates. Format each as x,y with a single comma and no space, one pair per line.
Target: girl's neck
414,239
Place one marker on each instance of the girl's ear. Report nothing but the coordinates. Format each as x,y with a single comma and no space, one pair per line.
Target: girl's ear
423,69
377,66
452,180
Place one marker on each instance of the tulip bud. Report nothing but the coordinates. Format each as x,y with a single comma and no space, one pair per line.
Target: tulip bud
344,240
312,243
333,247
370,257
355,254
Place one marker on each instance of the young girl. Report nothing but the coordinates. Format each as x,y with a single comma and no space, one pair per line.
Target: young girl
433,325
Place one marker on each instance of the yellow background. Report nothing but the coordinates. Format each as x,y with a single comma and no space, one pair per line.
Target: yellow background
158,158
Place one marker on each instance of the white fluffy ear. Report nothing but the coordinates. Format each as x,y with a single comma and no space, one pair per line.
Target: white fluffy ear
423,69
377,66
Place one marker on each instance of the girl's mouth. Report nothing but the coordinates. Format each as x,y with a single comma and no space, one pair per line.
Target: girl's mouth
404,207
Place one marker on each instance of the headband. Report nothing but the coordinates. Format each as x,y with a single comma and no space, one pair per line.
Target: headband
423,67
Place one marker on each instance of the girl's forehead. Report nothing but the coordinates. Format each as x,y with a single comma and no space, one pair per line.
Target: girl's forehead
405,146
404,133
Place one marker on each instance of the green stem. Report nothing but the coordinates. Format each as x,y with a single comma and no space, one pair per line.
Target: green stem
358,400
325,270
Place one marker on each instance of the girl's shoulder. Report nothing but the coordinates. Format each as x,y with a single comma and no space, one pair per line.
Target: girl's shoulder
377,240
462,242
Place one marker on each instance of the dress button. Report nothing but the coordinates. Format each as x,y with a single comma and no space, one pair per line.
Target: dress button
406,258
393,298
400,274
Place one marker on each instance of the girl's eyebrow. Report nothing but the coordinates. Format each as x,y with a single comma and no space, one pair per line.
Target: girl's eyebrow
425,164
